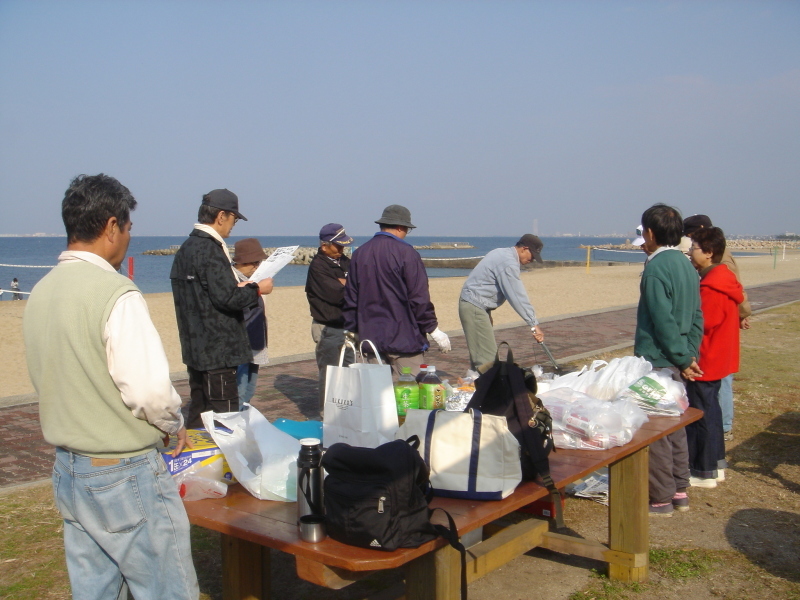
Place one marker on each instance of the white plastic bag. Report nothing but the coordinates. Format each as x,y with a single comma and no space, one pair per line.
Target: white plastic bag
360,407
580,421
602,380
658,393
262,457
203,482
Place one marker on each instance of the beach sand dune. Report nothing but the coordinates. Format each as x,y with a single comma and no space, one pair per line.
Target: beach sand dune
553,292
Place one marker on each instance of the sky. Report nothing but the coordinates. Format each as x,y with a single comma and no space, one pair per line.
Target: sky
480,116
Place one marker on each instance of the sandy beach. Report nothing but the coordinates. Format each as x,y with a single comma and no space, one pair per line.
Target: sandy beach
554,293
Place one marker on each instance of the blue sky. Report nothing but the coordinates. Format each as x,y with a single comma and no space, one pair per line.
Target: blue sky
479,116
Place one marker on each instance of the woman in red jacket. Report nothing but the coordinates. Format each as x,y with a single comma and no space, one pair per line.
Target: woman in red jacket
720,296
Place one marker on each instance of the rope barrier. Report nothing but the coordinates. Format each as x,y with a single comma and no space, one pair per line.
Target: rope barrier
2,291
29,266
609,250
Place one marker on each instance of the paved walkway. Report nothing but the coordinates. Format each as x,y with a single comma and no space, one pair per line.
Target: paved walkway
290,389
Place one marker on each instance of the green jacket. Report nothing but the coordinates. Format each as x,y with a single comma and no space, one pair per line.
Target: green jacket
669,322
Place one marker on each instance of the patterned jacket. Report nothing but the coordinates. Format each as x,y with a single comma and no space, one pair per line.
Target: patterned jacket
209,305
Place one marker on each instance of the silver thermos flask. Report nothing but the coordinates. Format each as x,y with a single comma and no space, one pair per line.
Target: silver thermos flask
309,478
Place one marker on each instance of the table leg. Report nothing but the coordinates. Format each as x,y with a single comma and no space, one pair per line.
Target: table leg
245,570
628,526
435,576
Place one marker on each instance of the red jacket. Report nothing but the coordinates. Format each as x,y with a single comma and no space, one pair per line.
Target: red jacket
720,297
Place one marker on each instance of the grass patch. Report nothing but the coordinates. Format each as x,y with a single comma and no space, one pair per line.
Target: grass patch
680,564
669,563
602,588
32,562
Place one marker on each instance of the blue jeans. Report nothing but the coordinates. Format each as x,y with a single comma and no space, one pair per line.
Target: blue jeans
726,402
246,379
124,527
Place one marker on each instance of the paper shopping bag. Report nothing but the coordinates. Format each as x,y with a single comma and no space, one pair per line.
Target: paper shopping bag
262,457
359,408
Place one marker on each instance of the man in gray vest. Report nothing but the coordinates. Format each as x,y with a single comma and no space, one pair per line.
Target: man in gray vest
106,402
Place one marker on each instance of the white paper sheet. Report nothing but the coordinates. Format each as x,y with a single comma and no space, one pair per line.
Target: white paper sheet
276,261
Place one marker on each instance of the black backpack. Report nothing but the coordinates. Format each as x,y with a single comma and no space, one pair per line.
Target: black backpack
507,390
378,498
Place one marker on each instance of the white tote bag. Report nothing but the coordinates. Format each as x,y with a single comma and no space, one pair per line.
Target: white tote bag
471,455
262,457
360,409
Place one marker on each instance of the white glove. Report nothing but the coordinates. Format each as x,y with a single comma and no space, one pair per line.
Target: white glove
441,339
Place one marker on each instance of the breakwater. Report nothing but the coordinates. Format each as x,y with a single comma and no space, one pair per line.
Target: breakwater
302,256
446,246
735,245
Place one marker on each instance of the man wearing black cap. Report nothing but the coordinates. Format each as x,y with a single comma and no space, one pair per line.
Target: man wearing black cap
386,299
493,281
327,275
209,302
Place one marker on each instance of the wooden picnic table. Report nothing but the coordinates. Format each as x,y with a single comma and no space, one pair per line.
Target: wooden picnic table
250,527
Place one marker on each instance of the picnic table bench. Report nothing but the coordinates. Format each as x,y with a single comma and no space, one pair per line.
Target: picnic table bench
250,527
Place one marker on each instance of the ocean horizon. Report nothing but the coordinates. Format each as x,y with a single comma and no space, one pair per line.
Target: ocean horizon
28,258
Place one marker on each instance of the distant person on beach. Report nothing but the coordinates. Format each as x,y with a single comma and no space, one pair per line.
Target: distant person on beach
209,304
386,299
720,296
669,328
106,403
15,289
327,275
493,281
248,254
690,226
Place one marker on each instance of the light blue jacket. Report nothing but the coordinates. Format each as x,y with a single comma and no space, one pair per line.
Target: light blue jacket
495,280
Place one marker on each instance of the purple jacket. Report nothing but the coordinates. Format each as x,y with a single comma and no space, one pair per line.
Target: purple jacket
386,298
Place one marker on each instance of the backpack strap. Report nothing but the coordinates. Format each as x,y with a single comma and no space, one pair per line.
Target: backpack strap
451,535
524,413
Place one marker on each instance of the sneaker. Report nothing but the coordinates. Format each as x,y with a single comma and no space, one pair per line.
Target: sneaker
728,436
720,475
663,509
680,502
703,482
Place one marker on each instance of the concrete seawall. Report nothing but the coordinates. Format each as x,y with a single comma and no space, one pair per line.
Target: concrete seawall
304,254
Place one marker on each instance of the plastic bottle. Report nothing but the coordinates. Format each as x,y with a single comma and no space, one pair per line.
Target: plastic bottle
431,391
309,478
406,393
423,369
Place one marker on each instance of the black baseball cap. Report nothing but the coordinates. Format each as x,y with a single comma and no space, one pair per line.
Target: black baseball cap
532,243
224,200
695,222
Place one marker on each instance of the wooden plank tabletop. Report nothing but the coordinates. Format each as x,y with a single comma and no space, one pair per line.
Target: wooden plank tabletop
273,524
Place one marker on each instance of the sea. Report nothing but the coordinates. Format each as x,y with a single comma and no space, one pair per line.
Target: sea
30,258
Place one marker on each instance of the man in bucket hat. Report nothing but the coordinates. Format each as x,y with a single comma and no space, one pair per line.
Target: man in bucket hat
209,301
386,299
327,275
